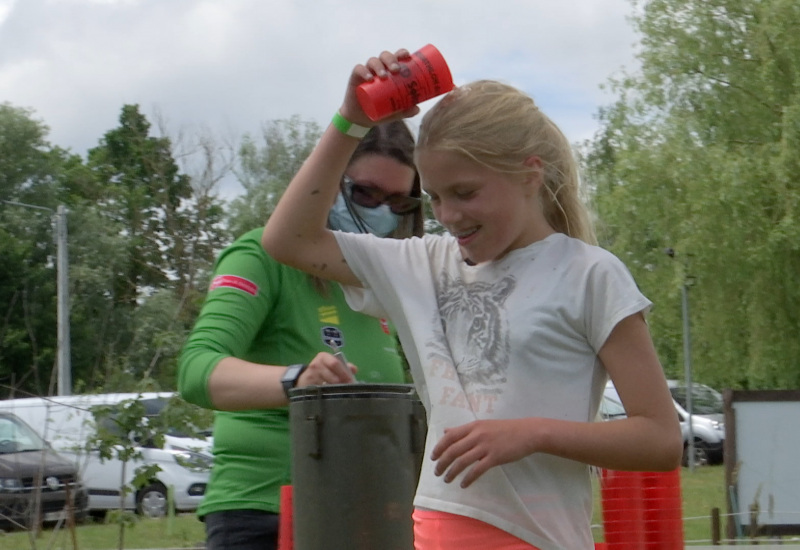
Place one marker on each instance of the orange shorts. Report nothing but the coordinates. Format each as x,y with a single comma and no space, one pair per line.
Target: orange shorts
443,531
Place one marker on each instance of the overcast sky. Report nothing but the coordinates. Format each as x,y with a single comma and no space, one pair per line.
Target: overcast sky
231,65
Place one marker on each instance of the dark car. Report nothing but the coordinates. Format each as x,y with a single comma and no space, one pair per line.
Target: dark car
35,481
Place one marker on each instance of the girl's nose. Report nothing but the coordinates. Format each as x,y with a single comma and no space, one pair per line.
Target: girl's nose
446,213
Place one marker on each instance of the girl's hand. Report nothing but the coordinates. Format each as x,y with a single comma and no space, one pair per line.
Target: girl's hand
375,67
480,445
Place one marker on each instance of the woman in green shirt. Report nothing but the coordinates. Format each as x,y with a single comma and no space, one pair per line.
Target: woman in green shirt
266,327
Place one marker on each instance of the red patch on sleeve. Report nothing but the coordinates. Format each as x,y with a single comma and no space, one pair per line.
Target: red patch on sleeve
233,281
385,326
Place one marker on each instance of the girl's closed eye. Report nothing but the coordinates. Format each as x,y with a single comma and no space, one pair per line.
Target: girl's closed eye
464,194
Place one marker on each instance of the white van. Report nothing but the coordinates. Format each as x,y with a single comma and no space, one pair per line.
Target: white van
67,422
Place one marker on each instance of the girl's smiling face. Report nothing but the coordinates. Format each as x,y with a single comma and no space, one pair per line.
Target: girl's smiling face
490,213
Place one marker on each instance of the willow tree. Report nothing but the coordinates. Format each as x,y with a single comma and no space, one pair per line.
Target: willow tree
700,153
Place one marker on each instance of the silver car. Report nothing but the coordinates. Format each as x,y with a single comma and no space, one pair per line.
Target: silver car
708,426
708,420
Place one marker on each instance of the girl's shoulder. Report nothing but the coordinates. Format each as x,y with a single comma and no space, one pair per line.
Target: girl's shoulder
581,249
576,257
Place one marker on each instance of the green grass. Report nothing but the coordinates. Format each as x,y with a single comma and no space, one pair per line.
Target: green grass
701,491
184,531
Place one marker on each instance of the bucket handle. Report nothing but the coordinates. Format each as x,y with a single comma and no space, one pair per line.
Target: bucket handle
313,409
418,428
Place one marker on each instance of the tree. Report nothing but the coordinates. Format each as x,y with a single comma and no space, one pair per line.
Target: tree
29,168
162,229
141,188
700,153
143,233
265,171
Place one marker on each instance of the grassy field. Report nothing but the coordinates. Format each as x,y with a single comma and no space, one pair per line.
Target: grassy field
184,531
701,490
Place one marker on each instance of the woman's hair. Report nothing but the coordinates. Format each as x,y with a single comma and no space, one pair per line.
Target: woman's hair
394,140
500,127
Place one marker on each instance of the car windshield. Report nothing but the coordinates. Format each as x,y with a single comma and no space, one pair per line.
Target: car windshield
153,408
17,437
705,400
610,408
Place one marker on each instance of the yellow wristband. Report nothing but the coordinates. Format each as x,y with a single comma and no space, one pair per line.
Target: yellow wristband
348,128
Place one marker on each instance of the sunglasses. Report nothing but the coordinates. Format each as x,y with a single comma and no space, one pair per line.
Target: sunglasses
372,197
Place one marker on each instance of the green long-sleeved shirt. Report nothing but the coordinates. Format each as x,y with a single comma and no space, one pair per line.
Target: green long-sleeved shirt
262,311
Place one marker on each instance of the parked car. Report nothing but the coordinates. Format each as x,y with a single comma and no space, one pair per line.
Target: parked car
67,422
708,431
708,420
706,401
611,409
29,470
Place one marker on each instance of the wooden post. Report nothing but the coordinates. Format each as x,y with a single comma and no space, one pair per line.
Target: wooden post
754,523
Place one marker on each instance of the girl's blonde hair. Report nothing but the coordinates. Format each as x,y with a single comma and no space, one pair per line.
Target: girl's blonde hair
500,127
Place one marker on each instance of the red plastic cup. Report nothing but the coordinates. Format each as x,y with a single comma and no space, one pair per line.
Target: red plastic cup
623,512
424,76
286,524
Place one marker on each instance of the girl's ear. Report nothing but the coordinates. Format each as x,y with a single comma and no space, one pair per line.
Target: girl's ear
536,166
534,161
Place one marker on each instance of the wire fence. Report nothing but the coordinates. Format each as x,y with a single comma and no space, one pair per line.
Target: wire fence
744,523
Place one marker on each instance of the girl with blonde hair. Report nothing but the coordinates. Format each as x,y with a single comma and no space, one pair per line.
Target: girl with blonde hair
511,323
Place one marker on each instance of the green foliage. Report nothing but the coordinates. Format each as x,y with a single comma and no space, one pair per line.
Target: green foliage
27,252
266,170
120,433
123,428
182,417
142,191
24,155
142,237
700,154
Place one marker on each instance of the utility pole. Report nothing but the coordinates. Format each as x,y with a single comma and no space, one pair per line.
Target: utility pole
687,365
688,280
62,290
62,268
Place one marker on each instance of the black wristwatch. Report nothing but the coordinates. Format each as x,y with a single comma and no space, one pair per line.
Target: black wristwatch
289,378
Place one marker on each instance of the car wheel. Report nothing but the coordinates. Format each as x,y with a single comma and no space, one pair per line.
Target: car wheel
151,501
701,457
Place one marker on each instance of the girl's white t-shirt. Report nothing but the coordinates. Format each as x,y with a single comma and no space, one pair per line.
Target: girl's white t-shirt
513,338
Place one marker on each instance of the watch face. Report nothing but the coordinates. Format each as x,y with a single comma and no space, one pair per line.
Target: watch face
289,378
291,373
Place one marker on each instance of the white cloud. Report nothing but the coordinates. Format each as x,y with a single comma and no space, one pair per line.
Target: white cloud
233,65
5,9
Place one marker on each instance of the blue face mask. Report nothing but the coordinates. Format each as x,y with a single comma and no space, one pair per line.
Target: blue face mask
352,218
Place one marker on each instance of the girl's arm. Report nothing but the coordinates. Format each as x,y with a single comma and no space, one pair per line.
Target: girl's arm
649,439
296,232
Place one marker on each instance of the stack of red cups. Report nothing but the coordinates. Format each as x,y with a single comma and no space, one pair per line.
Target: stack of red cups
642,510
